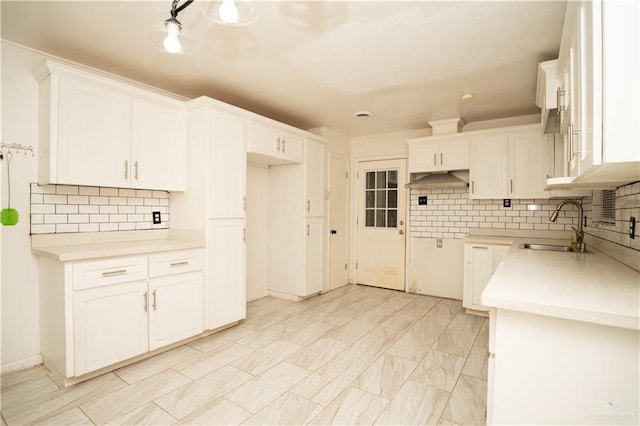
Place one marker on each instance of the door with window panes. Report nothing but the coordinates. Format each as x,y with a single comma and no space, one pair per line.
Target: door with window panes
381,223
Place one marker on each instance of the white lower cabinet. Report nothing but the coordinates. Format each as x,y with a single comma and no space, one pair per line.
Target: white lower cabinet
227,271
480,262
98,313
313,256
109,324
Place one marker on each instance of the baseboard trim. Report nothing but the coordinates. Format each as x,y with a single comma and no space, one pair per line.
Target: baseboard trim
22,364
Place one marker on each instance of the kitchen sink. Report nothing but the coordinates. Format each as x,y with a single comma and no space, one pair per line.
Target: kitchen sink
546,247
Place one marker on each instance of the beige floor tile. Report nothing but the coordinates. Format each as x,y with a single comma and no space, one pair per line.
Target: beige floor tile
2,419
466,322
430,326
219,412
197,394
454,302
414,311
289,409
266,336
122,401
477,363
63,400
221,338
412,346
333,305
385,376
366,304
367,350
341,316
149,414
146,368
309,334
265,358
27,391
415,404
304,318
351,331
445,311
70,417
468,402
483,336
426,301
211,361
396,302
353,407
377,314
329,381
317,354
446,422
258,392
438,369
18,377
395,326
455,342
265,320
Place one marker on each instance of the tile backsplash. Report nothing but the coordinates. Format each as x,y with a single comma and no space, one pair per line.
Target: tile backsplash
59,209
450,213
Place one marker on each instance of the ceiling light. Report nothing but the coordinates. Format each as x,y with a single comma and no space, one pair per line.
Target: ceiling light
170,36
467,97
230,12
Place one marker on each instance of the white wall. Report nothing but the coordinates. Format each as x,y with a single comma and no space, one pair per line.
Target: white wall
20,315
257,231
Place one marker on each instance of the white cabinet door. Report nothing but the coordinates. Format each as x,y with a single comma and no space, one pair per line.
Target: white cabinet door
292,146
227,166
529,165
454,154
314,255
227,272
109,324
314,164
273,145
423,156
93,137
488,169
158,145
175,308
478,271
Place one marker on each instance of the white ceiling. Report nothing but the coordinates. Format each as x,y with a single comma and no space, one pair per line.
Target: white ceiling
315,63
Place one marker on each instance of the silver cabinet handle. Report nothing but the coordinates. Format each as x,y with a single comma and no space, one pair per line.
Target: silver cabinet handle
244,203
435,163
114,273
154,300
576,148
284,145
146,306
472,187
308,205
308,231
278,144
135,166
559,94
511,186
480,247
183,263
244,235
126,169
441,159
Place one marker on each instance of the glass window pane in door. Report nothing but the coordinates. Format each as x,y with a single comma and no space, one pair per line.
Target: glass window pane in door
380,219
381,199
371,180
370,218
371,199
393,199
381,180
392,218
392,176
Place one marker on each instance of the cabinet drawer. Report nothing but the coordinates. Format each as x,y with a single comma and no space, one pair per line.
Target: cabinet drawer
110,271
175,262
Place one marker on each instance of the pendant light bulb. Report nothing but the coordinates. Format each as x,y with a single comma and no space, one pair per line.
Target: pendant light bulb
229,12
171,43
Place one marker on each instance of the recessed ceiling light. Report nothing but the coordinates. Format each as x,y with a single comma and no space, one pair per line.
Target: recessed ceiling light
467,96
362,114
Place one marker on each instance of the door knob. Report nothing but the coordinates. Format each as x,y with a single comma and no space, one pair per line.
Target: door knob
401,232
334,232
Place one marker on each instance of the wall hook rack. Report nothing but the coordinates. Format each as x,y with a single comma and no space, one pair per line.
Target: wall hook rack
11,148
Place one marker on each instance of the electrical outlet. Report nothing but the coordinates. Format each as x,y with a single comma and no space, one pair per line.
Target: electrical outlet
157,219
506,202
439,243
632,227
422,200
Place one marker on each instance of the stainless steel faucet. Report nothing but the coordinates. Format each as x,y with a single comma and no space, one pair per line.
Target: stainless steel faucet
581,247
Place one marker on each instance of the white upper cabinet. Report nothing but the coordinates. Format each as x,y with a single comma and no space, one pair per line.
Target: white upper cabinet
272,145
100,132
432,154
510,163
158,144
598,72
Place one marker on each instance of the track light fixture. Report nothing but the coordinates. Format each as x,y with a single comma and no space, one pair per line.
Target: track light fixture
171,37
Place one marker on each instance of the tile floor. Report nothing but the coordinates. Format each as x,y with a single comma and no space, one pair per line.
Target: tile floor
356,355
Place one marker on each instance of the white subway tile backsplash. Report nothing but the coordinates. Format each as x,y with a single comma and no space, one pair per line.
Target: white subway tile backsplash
70,208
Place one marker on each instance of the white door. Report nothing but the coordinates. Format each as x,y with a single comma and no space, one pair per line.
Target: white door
381,219
338,192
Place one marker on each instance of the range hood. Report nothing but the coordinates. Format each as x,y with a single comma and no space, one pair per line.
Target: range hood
440,180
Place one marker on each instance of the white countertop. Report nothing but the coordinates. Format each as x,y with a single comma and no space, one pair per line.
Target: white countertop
590,287
66,252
